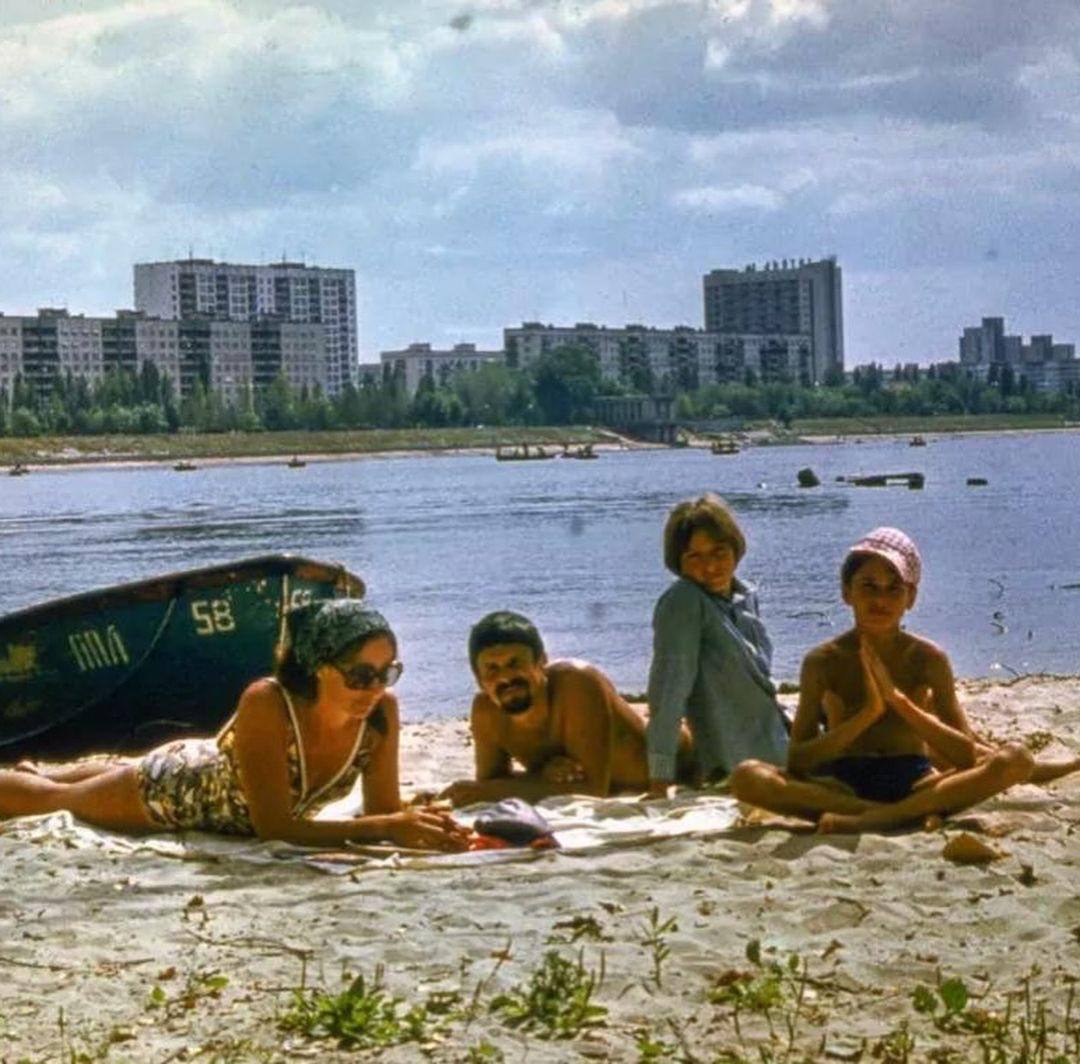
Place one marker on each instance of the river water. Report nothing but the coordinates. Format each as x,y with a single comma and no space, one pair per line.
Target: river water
576,545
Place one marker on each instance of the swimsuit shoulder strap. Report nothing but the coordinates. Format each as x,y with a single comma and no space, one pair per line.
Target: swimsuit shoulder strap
298,739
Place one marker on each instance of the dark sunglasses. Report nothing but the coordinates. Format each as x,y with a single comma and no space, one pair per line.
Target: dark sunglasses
362,677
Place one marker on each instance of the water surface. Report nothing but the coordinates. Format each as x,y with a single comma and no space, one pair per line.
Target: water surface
576,545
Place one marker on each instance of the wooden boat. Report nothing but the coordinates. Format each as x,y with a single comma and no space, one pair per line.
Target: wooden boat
724,445
18,470
296,463
917,441
525,453
584,451
185,467
126,667
977,482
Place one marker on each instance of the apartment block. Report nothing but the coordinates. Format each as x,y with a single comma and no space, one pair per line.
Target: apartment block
228,356
419,360
782,298
289,292
653,360
1046,365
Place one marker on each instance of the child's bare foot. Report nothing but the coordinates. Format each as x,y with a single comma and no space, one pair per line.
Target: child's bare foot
839,824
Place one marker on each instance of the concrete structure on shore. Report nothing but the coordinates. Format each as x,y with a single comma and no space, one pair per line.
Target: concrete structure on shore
664,360
792,298
228,356
280,292
1045,366
421,360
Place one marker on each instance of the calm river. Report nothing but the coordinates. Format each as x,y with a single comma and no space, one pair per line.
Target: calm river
576,545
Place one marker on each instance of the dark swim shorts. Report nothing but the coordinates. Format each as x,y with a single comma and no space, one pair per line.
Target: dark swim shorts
878,779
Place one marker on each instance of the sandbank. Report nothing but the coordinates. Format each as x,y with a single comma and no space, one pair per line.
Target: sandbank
137,956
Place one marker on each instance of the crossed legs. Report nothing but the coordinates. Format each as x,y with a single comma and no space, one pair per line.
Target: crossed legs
764,785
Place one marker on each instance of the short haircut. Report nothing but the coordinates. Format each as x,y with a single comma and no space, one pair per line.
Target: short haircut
502,627
709,513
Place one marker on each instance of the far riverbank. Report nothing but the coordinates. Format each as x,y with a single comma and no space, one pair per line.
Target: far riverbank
274,446
355,443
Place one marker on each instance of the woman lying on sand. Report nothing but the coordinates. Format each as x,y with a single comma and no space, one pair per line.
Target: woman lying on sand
297,741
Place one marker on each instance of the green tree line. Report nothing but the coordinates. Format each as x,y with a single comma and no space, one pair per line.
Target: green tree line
558,389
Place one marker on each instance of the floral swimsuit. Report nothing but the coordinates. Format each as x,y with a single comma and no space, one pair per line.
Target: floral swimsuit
194,784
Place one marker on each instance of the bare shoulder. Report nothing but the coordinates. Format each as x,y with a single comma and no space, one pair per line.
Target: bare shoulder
262,709
925,658
578,677
485,718
836,653
261,694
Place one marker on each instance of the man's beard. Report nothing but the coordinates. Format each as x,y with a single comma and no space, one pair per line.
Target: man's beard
519,697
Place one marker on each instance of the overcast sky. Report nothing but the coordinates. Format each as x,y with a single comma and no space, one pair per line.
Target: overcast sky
483,163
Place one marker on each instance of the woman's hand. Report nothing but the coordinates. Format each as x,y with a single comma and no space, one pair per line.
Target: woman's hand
426,828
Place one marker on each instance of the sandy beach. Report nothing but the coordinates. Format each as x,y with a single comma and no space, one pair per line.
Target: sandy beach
713,937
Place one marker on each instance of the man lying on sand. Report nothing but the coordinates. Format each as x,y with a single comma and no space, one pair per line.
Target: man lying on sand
562,721
879,738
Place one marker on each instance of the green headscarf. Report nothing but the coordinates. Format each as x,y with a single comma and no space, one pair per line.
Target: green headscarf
321,631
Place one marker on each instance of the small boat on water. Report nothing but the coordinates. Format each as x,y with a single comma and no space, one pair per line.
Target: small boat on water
915,481
18,470
917,441
185,467
526,452
583,451
296,462
125,667
725,445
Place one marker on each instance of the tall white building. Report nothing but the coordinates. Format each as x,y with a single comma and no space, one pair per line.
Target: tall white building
194,289
789,297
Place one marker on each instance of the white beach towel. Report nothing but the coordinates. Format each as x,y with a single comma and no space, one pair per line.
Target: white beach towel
581,825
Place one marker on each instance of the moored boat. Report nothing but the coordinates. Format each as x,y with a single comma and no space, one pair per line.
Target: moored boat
725,445
18,470
126,667
185,467
524,453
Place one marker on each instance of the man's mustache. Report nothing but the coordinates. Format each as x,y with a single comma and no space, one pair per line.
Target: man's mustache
509,685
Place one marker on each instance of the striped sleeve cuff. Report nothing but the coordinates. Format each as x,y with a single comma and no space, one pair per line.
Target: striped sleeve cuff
661,767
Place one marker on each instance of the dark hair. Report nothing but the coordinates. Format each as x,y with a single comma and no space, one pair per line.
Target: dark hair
299,679
500,627
709,513
852,564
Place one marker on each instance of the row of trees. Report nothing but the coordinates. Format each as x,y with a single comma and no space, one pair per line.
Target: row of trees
559,389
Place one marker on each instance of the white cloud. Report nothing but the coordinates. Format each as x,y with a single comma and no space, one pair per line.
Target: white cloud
715,200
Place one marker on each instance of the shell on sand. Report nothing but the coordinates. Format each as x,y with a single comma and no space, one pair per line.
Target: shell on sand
968,849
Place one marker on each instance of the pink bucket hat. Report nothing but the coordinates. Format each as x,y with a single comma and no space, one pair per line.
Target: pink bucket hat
895,547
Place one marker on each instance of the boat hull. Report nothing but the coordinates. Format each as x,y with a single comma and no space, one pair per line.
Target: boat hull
127,667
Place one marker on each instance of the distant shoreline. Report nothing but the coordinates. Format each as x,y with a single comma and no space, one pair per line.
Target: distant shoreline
272,448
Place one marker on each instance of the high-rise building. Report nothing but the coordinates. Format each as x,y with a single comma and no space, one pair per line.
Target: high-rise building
782,299
288,292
